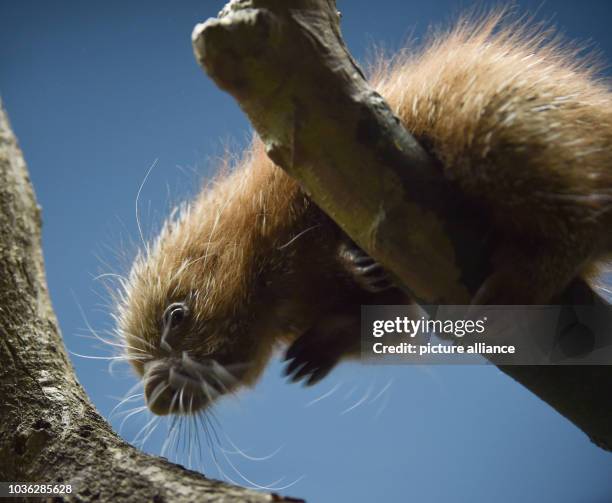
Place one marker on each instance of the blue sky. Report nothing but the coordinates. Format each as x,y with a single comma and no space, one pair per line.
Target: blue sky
97,91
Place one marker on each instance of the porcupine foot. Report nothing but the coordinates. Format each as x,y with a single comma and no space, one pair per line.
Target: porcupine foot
317,351
337,335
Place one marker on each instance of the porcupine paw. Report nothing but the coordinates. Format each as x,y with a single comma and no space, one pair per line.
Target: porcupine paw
368,273
307,360
317,351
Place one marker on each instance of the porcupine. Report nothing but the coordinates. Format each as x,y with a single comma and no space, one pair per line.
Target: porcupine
519,123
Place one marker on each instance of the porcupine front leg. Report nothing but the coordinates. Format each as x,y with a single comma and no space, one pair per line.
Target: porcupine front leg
317,351
337,335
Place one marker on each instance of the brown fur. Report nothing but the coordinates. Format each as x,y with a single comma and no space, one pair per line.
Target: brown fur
519,125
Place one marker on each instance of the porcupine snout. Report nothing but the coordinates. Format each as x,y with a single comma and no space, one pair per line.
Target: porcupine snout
182,385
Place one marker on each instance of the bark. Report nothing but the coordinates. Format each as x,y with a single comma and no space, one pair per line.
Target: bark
288,67
49,430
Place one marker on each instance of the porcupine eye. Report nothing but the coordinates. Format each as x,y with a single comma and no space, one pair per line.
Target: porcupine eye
174,315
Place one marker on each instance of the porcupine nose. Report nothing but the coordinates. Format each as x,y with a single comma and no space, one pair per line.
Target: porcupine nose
171,388
158,394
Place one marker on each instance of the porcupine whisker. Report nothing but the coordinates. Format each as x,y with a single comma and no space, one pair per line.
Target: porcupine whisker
170,426
127,399
199,446
166,444
119,374
151,430
350,392
190,364
148,344
270,487
132,412
211,370
120,357
200,419
237,450
206,419
134,387
157,392
113,360
186,436
128,395
176,441
384,392
138,397
175,446
181,448
222,373
325,395
189,380
170,430
223,475
137,200
105,275
181,404
122,335
128,411
384,389
193,442
191,429
206,388
382,407
248,481
136,439
212,419
200,449
295,238
102,261
90,328
359,402
220,473
220,383
224,376
604,289
111,343
211,364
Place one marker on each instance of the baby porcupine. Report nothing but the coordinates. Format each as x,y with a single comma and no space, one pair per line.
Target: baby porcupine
520,126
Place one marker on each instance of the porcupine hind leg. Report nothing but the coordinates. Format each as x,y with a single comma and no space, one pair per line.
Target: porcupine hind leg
532,273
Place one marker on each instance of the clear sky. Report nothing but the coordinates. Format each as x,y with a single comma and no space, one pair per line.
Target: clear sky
97,91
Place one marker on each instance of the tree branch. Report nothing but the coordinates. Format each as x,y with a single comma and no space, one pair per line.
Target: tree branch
288,67
49,430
